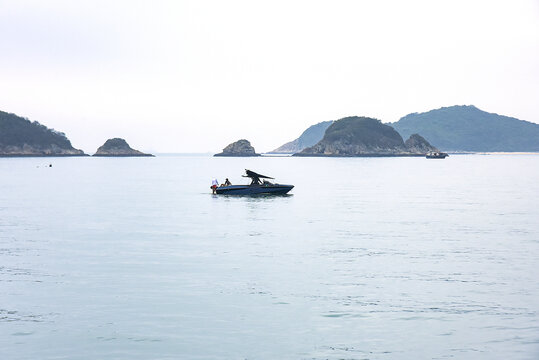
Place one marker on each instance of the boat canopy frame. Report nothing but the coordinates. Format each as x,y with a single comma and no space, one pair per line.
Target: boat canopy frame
255,178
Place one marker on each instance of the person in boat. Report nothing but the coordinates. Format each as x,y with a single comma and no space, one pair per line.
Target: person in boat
214,184
227,182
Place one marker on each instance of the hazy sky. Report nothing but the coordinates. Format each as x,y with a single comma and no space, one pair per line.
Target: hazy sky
193,76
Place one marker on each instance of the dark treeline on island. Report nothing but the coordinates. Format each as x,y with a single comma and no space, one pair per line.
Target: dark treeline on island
363,136
22,137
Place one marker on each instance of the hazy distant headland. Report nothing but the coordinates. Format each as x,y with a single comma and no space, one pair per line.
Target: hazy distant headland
22,137
363,136
466,128
239,148
308,138
118,147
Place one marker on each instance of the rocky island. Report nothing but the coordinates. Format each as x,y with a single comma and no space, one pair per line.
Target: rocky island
22,137
239,148
363,136
118,147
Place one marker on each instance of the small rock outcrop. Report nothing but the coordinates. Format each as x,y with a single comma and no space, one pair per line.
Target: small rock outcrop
417,144
239,148
22,137
118,147
363,136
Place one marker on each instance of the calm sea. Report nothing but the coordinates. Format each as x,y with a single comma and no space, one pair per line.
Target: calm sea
368,258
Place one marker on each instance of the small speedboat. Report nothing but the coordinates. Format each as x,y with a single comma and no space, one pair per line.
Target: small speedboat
436,155
256,187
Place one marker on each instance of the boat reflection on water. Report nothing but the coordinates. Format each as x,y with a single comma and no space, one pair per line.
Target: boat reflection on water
260,185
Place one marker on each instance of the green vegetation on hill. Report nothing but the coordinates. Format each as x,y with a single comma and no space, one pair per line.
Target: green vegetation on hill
22,137
368,131
467,128
15,131
363,136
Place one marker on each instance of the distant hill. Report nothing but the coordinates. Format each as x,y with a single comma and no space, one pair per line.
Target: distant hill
309,137
466,128
363,136
22,137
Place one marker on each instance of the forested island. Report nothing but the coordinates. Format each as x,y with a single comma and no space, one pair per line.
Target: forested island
22,137
363,136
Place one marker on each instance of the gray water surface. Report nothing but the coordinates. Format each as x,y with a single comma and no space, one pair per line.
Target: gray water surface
368,258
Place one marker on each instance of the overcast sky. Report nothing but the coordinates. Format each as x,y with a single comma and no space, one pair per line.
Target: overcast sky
193,76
